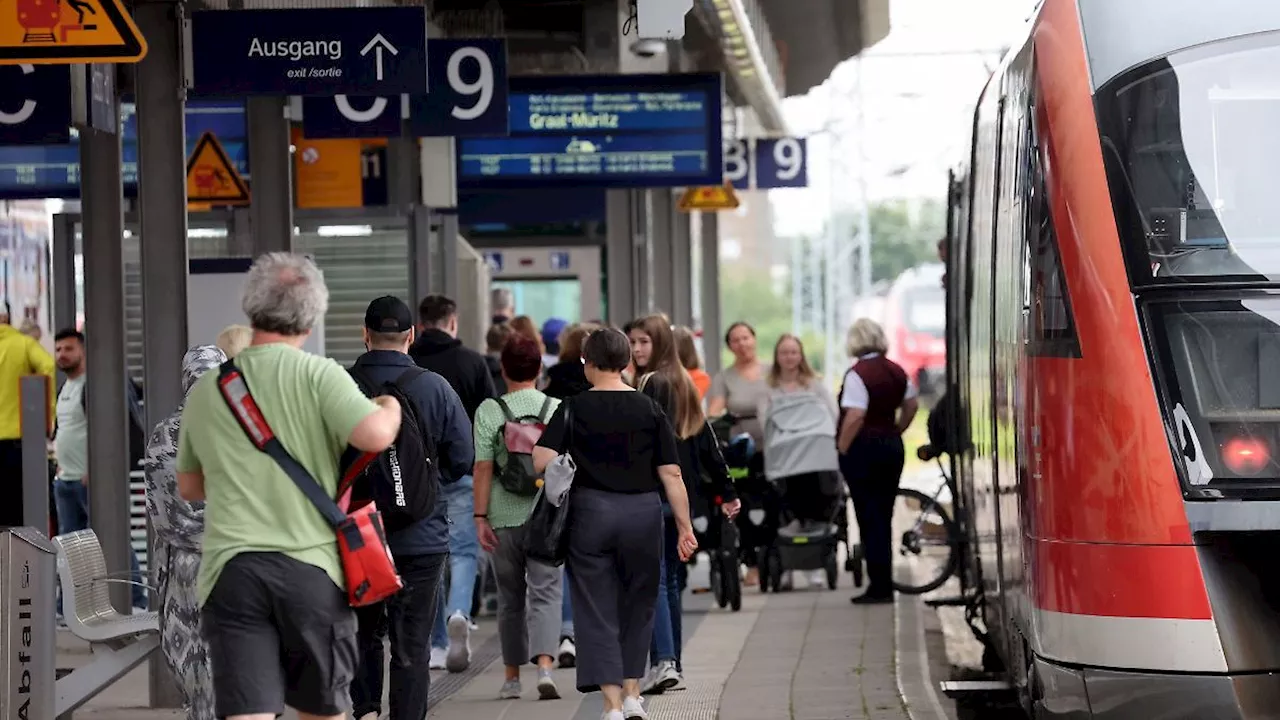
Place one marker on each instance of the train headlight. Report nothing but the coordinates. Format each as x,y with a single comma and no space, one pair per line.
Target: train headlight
1246,456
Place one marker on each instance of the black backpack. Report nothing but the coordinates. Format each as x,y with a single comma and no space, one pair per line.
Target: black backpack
404,479
519,436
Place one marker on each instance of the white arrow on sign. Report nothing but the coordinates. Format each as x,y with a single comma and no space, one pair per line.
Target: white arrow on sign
377,44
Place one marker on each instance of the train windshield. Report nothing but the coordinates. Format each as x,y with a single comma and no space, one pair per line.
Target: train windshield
926,311
1192,148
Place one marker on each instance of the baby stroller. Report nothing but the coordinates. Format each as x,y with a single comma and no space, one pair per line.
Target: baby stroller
718,535
757,522
802,465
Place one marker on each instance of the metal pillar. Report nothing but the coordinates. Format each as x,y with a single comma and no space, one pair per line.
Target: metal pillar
271,175
711,290
33,396
162,206
620,261
103,223
64,271
404,171
682,279
661,251
421,245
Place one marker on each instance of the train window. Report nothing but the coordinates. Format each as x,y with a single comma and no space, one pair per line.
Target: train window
1193,163
1050,327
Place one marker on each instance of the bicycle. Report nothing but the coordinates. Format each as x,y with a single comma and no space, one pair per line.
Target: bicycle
924,531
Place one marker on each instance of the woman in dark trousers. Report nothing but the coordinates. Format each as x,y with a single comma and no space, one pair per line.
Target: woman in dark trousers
624,450
877,404
661,376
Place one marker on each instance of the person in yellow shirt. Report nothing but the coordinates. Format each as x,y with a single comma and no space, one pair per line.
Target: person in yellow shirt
20,355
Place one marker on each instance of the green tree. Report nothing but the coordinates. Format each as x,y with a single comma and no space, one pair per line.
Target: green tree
903,234
748,294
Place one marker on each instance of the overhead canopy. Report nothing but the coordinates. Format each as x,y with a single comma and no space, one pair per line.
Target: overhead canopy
813,36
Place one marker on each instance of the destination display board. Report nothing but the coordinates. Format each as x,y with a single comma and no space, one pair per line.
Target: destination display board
53,171
602,131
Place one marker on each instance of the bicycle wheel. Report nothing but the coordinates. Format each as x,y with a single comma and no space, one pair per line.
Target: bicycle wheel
926,543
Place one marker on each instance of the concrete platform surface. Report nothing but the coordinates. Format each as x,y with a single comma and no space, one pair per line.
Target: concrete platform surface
802,655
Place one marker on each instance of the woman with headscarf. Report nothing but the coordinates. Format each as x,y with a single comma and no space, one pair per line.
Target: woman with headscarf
179,527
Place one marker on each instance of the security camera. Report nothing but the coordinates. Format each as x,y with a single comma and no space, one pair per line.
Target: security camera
649,48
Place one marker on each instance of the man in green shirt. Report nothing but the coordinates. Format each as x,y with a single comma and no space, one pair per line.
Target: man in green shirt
271,585
500,520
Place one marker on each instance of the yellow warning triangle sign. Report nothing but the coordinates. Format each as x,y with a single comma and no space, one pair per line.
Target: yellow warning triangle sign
68,31
712,197
212,177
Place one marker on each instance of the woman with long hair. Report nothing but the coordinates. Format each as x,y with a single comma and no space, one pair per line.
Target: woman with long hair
799,418
688,353
660,375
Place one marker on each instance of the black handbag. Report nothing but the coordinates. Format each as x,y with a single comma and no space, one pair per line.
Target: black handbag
546,532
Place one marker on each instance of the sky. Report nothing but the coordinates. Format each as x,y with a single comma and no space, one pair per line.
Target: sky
920,85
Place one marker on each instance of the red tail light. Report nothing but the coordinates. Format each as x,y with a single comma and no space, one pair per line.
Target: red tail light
1246,456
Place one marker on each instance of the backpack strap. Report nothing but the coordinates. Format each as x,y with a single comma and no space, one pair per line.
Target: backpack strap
407,377
543,413
506,409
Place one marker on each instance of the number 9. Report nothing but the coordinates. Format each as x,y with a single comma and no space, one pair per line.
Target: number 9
789,158
483,86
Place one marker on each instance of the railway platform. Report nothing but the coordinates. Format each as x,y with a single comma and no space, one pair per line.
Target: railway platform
803,655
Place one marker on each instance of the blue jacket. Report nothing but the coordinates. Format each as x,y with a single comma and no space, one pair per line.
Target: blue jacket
445,418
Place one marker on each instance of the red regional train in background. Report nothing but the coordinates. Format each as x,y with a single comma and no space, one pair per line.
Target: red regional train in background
914,320
1113,338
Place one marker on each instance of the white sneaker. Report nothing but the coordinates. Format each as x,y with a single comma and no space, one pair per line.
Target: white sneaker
662,677
613,715
438,656
459,656
633,709
568,653
817,578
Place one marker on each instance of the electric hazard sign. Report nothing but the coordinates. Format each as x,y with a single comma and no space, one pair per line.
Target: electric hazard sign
211,176
36,32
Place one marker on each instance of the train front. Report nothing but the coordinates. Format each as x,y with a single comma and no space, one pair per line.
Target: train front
1191,148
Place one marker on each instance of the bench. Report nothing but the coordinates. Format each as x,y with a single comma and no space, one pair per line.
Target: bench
119,642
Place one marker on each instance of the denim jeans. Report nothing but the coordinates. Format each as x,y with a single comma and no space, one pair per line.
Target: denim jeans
464,548
667,619
407,618
566,607
71,498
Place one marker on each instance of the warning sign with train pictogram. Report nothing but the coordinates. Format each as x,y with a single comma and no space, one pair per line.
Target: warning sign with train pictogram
211,176
36,32
711,197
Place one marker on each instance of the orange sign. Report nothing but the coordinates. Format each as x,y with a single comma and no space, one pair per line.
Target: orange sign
68,31
714,197
212,178
327,173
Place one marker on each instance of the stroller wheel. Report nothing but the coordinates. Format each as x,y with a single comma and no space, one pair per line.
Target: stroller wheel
717,583
833,572
775,569
854,564
732,582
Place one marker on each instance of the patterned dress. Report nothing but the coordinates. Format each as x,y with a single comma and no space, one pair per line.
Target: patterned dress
179,528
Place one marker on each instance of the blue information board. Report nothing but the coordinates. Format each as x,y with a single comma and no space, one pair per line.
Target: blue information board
53,171
309,51
602,131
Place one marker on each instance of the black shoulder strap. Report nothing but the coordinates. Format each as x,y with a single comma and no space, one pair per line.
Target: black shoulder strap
546,406
407,377
235,391
506,409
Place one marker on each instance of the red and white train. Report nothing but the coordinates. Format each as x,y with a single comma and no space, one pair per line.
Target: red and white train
1113,289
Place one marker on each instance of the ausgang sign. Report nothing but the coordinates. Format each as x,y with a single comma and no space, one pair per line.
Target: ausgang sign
320,51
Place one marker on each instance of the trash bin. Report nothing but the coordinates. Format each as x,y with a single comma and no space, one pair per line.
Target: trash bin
28,571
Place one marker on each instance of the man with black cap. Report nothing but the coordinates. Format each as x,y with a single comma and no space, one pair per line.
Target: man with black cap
422,549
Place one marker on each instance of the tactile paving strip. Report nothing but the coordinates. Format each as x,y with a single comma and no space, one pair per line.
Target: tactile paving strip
451,683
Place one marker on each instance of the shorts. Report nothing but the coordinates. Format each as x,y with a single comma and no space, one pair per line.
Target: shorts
280,632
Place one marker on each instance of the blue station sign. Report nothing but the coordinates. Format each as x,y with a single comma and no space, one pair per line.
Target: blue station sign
309,51
466,97
35,104
602,131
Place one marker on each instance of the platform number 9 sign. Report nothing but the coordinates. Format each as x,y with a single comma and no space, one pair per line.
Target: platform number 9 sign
737,164
781,163
466,90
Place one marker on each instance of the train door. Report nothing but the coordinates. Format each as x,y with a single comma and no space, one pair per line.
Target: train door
564,283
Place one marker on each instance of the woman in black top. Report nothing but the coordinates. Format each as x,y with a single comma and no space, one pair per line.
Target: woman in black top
568,377
624,450
662,377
